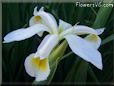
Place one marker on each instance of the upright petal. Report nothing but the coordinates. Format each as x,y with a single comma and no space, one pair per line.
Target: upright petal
36,19
24,33
48,20
44,18
35,10
84,49
46,46
37,68
63,25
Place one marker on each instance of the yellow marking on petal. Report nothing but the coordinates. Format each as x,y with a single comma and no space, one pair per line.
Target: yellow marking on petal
36,62
40,64
38,18
93,38
43,64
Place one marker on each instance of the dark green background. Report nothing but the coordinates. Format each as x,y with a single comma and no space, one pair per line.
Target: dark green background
17,15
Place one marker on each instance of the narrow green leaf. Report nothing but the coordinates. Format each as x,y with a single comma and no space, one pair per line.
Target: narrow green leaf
102,17
78,72
108,39
92,74
58,52
70,76
81,72
67,55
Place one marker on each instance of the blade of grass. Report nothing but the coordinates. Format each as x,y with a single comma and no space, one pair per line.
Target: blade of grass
66,55
102,17
93,75
108,39
70,76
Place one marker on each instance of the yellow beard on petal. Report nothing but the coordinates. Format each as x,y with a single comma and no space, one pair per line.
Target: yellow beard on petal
40,64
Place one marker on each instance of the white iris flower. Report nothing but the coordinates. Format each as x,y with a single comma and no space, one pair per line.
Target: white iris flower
37,64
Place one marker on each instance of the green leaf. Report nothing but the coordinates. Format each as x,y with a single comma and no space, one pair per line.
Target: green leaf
66,55
108,39
102,17
78,73
81,72
70,75
92,74
58,52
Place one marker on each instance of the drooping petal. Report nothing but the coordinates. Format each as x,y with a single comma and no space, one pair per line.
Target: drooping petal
100,31
79,30
63,25
94,40
84,49
24,33
37,68
44,70
46,46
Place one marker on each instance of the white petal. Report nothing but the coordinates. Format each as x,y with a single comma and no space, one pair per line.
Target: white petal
35,20
84,49
30,69
42,17
42,75
79,30
24,33
46,46
94,40
100,31
40,33
37,68
63,25
49,20
35,10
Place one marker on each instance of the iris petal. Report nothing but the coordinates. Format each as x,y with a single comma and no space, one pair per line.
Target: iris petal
46,46
37,68
84,49
24,33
